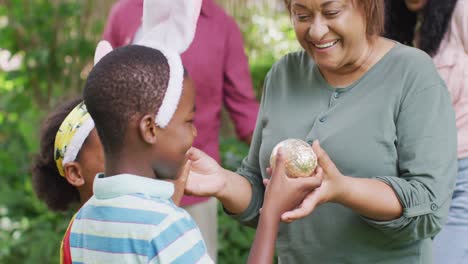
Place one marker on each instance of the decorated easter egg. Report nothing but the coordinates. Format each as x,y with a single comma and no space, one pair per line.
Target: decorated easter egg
300,159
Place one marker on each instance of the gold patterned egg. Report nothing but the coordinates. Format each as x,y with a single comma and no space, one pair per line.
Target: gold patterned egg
299,157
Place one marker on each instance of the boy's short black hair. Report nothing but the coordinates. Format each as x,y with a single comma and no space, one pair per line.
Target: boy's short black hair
48,184
128,81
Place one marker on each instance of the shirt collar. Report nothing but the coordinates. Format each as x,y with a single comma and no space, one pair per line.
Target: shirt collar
125,184
207,8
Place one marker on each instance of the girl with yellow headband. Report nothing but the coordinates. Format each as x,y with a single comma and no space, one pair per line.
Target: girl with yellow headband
70,157
71,154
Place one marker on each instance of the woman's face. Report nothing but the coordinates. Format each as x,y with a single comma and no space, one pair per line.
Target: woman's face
333,32
416,5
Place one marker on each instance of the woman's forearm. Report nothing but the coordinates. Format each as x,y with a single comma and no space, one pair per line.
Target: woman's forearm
369,197
236,194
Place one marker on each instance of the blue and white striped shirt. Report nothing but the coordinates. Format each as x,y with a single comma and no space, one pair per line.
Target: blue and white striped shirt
131,219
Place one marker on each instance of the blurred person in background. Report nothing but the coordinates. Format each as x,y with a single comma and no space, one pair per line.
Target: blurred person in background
440,28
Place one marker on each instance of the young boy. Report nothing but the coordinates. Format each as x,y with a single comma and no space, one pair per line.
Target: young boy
131,217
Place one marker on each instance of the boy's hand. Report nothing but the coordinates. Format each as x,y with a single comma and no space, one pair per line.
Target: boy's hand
283,193
330,190
206,177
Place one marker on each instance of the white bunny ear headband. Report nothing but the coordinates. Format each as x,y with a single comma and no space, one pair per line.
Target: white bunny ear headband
168,26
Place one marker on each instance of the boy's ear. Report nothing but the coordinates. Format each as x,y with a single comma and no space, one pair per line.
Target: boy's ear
148,129
73,174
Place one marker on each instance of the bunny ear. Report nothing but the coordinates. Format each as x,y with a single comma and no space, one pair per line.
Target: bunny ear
102,48
170,23
169,26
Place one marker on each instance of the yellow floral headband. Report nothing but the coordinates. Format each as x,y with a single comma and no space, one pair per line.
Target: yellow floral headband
71,135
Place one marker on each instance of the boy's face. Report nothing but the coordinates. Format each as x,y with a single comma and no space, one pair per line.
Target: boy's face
174,141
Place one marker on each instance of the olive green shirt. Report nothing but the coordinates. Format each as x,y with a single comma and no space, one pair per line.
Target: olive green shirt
395,124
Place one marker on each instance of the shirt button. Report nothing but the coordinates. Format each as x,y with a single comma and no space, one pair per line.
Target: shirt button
336,95
323,119
434,207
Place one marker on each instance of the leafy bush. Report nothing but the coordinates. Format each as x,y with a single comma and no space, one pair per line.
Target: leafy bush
46,49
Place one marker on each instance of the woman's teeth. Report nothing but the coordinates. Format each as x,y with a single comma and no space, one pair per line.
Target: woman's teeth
326,45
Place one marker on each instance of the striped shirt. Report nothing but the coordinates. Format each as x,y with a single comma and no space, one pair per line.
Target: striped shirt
131,219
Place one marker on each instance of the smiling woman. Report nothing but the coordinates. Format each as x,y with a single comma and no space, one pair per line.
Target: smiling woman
339,35
386,145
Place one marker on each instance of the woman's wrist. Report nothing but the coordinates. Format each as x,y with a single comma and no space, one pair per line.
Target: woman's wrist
236,192
223,193
343,188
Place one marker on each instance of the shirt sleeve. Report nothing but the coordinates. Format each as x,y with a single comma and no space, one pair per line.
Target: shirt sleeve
250,168
426,145
239,97
177,239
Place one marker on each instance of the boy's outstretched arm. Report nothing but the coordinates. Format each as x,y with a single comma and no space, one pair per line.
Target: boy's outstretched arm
281,195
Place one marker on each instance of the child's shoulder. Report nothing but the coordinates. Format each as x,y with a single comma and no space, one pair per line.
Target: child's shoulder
176,231
159,207
174,216
164,212
132,208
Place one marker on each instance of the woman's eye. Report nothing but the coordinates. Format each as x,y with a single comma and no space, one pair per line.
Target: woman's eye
302,17
331,13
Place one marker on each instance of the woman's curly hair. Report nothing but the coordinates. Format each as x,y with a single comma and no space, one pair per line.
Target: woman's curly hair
401,22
